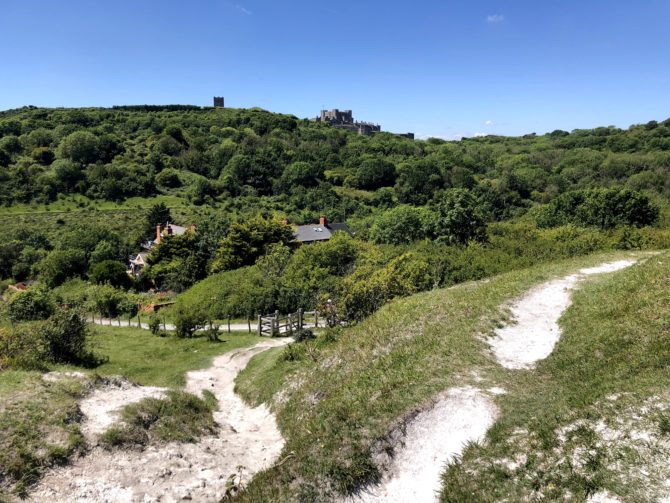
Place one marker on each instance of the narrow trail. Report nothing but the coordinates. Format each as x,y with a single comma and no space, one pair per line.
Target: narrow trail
534,331
462,415
248,441
432,439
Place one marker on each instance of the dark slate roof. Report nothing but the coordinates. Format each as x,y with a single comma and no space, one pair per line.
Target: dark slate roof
310,233
316,232
340,227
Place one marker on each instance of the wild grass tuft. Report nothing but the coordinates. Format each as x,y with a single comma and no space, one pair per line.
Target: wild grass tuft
39,426
179,417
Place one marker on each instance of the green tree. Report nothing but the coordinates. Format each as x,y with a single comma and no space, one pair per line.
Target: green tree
418,180
157,214
60,265
80,147
460,218
110,272
373,174
604,208
33,304
303,174
402,225
106,250
247,241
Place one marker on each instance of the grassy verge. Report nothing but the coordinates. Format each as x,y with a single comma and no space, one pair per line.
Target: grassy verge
592,418
347,395
180,417
38,426
159,361
264,376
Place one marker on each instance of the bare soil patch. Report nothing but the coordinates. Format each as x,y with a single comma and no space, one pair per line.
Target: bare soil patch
248,441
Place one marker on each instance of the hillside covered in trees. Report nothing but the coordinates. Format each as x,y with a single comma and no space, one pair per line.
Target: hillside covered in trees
83,191
83,188
219,156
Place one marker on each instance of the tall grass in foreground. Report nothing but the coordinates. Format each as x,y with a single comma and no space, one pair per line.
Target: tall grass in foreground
593,415
341,404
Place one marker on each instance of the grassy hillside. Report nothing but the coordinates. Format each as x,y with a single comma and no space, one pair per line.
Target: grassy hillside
593,417
352,388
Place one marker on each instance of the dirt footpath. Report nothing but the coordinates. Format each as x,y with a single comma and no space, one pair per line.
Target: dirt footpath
462,415
247,442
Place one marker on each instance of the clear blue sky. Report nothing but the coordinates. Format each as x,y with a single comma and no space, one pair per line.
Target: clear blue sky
443,68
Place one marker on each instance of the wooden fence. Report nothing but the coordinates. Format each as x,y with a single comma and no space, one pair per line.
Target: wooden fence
275,325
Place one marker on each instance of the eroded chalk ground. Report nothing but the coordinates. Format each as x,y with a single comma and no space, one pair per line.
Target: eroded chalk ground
248,441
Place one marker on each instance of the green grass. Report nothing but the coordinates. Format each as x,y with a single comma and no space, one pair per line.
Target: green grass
179,417
159,361
264,376
614,354
38,426
346,396
76,202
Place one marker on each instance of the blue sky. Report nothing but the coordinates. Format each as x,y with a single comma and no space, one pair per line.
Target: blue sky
441,68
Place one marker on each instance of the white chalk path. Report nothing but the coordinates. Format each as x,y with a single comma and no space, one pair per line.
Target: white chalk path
248,438
462,415
433,438
535,330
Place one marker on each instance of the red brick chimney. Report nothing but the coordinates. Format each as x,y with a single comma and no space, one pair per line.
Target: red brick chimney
158,233
323,221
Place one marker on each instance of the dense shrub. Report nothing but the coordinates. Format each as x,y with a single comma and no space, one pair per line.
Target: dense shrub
155,325
461,218
603,208
187,321
21,347
110,272
65,336
402,225
60,265
246,241
33,304
362,295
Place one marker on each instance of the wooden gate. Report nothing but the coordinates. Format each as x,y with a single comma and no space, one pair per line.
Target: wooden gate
276,325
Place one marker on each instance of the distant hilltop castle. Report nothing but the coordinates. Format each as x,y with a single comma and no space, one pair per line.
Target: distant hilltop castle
345,119
218,102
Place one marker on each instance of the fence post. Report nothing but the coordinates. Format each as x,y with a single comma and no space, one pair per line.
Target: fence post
316,319
249,323
259,327
229,324
139,320
275,330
